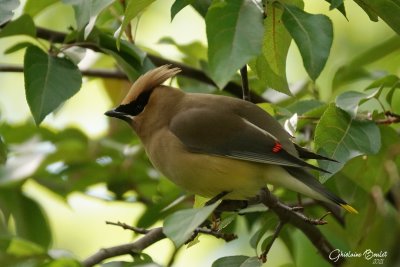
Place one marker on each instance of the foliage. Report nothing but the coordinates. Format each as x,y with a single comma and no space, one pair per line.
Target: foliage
357,126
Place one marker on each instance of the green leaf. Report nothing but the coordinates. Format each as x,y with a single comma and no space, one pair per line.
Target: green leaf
180,225
374,169
129,56
30,221
34,7
341,137
377,52
3,152
234,33
388,10
391,81
63,263
251,262
270,66
304,253
313,35
348,74
354,69
266,226
6,9
23,248
178,5
16,47
192,52
22,26
368,10
86,12
350,100
134,8
202,6
337,4
230,261
49,81
29,154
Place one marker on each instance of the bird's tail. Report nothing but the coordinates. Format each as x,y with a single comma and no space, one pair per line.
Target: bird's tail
309,180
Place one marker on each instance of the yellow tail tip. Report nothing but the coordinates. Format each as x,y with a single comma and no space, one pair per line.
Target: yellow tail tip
349,208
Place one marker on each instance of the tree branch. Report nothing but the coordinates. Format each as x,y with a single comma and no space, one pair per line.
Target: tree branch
306,225
153,236
102,73
233,88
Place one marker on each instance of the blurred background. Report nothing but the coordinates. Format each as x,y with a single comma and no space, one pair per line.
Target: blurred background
78,221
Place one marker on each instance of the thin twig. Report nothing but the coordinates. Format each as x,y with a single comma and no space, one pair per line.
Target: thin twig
263,256
129,227
173,257
245,84
150,238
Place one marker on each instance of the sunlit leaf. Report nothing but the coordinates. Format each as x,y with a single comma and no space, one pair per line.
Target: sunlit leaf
134,8
178,5
45,85
25,160
21,247
192,52
6,9
313,35
230,261
22,26
16,47
34,7
270,66
86,12
234,33
341,137
180,225
251,262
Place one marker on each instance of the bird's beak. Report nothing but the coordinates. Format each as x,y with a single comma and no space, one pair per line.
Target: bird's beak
119,115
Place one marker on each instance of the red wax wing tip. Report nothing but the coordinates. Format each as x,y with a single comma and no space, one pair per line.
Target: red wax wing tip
277,147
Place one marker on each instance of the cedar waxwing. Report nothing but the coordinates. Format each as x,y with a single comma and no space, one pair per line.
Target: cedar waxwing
209,144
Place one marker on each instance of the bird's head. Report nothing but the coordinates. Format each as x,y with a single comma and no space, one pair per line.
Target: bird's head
138,96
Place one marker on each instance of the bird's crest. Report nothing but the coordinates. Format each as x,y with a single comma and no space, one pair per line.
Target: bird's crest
149,81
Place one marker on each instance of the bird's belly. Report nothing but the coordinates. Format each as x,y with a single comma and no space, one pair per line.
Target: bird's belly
207,175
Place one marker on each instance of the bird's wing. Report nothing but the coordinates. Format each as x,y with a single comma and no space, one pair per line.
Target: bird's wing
307,154
226,134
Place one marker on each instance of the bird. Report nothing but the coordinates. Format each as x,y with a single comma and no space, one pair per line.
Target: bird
213,144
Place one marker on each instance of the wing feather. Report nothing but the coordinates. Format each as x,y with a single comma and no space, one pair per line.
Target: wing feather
201,131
